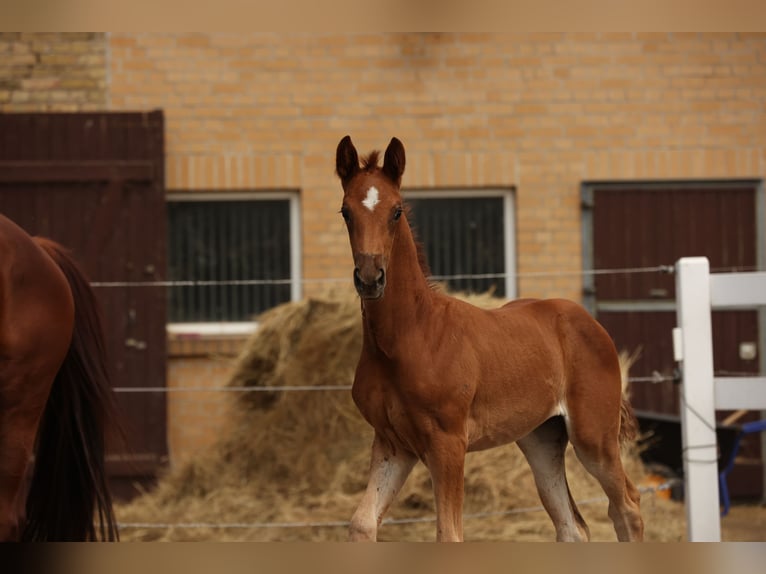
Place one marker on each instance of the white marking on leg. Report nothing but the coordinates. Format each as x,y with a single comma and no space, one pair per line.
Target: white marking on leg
372,198
387,475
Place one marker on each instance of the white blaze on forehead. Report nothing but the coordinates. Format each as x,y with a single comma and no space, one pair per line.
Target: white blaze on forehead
372,198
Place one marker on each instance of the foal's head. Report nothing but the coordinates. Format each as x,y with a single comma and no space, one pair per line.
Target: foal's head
372,208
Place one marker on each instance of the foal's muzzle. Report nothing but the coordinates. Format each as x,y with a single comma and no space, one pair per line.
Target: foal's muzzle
369,276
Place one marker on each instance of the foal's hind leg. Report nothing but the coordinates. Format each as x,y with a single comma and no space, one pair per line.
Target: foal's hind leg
599,452
544,449
389,469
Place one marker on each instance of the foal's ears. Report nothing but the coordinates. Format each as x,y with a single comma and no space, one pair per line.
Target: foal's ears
393,161
346,160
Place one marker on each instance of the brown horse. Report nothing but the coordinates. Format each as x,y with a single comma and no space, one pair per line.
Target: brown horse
438,377
55,396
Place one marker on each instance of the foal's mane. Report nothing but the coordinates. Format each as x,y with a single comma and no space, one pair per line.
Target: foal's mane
370,161
370,165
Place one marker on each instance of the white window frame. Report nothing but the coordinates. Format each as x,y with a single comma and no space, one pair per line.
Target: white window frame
509,221
245,328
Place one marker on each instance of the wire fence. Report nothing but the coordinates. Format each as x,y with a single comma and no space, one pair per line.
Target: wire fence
667,485
655,378
667,269
288,281
652,379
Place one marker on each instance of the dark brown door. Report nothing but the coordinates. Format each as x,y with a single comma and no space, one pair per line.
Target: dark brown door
643,226
94,182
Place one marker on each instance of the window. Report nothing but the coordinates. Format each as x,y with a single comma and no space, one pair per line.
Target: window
225,239
468,237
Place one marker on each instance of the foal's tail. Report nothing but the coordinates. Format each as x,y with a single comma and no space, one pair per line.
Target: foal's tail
628,422
69,489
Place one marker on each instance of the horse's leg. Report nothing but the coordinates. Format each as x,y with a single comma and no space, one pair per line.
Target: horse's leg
389,468
544,449
593,403
597,446
20,415
13,467
445,460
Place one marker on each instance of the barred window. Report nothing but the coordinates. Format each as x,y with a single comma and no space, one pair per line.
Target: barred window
228,238
468,236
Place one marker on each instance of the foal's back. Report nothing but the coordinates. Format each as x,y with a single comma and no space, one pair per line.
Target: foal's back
532,330
577,346
560,322
526,361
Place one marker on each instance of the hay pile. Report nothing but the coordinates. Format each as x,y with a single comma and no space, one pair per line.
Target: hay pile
303,456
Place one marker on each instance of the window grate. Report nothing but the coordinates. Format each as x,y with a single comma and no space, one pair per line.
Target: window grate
224,240
463,236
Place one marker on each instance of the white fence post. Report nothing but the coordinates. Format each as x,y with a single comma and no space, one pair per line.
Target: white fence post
698,424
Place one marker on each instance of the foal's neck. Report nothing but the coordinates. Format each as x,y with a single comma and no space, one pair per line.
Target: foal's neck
407,295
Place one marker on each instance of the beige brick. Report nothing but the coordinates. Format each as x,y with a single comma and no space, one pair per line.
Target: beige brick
540,112
19,59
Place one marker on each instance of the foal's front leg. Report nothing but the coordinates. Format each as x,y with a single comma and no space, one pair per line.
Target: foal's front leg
446,463
389,469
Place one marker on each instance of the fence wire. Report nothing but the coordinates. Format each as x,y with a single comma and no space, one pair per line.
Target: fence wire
654,378
287,281
667,485
667,269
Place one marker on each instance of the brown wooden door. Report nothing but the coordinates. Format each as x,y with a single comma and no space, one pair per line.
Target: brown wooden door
640,226
94,182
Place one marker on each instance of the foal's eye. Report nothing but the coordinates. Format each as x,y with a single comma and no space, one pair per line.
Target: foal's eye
397,213
344,212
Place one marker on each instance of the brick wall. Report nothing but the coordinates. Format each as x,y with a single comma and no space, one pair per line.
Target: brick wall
538,112
541,112
52,72
197,418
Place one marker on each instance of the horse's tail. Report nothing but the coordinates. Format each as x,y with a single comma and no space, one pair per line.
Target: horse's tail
628,422
69,489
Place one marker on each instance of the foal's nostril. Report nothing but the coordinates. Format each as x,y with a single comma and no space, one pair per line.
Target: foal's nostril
369,281
378,280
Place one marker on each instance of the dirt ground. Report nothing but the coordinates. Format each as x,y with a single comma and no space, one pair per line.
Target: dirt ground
744,523
505,510
665,522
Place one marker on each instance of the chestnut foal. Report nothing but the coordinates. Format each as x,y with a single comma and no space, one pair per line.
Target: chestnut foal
438,377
